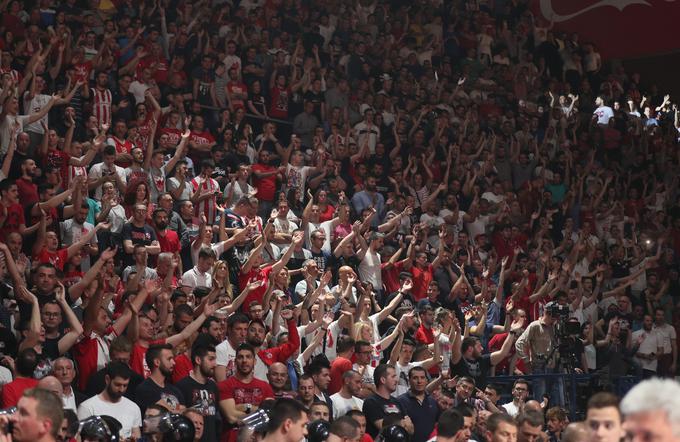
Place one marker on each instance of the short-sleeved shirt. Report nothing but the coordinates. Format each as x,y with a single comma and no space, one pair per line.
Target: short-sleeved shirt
477,369
204,398
14,217
377,408
253,392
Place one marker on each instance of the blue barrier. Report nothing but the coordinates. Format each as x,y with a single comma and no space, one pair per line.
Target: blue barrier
620,385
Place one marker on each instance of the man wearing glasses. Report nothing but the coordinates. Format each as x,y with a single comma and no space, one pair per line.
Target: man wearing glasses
520,392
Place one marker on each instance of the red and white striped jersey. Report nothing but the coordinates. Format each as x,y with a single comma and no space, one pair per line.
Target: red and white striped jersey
208,205
101,105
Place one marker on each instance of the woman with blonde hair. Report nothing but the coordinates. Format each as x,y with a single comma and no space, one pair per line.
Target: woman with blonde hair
362,331
220,277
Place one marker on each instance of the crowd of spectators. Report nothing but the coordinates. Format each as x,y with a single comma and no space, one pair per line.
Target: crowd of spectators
371,207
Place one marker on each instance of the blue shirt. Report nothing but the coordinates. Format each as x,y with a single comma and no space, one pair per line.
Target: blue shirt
423,414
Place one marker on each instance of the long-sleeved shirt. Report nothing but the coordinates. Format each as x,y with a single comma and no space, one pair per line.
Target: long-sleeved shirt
538,339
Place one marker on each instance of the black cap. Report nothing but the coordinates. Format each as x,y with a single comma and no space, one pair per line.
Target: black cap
393,433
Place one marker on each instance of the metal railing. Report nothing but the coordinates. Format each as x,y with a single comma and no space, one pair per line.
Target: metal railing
571,381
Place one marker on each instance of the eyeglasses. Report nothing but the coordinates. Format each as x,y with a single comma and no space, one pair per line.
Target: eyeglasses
52,315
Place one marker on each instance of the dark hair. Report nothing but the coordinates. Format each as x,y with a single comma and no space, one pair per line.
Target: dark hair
416,368
603,400
282,410
322,403
359,344
109,150
245,347
118,370
201,351
494,421
532,417
206,252
154,352
521,381
352,413
344,343
183,309
319,362
381,372
345,427
157,212
450,422
121,344
468,342
27,361
237,318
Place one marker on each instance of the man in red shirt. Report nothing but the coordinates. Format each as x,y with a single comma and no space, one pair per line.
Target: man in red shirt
265,179
242,393
424,334
237,91
167,239
11,212
146,332
46,246
422,271
25,364
28,190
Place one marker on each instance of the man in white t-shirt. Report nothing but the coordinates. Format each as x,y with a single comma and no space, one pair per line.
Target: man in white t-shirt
648,345
602,113
237,329
111,402
667,339
520,392
346,399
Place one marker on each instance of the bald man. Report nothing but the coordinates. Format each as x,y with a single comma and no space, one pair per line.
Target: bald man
575,432
50,383
278,379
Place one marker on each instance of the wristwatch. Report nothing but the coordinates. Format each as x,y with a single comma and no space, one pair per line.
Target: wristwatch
249,408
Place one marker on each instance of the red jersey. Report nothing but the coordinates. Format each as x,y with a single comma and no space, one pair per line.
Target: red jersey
174,135
169,241
101,105
83,71
138,358
183,367
253,392
91,354
28,191
279,104
257,294
266,187
57,258
421,279
122,146
12,392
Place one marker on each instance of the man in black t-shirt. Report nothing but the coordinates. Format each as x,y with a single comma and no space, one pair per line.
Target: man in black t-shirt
139,232
200,391
160,360
468,360
381,404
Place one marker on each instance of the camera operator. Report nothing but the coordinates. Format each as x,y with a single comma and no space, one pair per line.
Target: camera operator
38,418
536,346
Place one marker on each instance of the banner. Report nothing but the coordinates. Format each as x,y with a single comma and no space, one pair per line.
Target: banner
618,28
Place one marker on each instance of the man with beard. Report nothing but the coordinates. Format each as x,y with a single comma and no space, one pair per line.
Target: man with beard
267,356
28,190
242,393
167,239
74,228
346,399
369,197
200,391
111,402
161,360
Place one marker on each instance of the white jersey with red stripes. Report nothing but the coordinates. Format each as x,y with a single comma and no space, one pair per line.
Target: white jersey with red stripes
208,205
101,105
